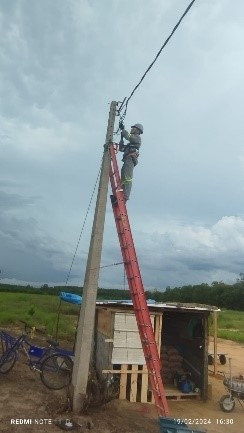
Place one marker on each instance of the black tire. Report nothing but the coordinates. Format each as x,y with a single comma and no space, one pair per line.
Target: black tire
210,360
227,403
222,359
56,371
7,361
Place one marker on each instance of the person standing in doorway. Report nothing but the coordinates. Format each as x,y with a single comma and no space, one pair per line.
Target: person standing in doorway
131,154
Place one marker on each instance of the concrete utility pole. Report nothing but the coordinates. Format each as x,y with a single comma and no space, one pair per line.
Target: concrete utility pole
84,338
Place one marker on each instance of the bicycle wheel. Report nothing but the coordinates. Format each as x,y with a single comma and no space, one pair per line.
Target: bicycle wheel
210,360
222,359
56,371
7,361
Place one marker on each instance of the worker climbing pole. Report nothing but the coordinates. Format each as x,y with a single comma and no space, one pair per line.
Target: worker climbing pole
85,329
83,348
130,156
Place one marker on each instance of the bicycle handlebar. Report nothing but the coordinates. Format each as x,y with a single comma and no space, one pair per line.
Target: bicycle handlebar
32,328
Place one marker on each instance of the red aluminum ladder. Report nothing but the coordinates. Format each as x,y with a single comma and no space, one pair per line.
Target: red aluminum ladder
136,286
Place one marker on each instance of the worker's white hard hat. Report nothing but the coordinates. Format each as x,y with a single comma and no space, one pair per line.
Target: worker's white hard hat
138,126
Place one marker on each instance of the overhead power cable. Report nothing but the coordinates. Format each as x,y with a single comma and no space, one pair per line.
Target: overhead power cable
151,65
107,266
76,249
83,225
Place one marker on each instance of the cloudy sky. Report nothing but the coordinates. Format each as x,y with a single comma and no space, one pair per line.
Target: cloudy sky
61,64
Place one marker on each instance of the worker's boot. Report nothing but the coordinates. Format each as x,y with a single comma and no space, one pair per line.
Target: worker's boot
113,199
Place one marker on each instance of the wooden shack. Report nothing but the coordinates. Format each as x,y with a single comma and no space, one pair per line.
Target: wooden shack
181,333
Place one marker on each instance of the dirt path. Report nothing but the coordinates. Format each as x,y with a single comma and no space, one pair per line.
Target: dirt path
24,399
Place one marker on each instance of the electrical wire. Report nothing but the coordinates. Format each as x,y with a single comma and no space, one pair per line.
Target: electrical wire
122,117
108,266
125,104
76,249
91,269
151,65
83,225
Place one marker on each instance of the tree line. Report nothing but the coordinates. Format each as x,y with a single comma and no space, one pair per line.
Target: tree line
219,294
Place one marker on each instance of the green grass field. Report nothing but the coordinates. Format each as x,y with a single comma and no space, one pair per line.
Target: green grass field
230,325
41,311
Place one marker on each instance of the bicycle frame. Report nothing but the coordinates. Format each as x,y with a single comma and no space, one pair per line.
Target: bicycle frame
54,364
37,354
11,344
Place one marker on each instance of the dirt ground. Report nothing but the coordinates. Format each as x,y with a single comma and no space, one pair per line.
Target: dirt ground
27,406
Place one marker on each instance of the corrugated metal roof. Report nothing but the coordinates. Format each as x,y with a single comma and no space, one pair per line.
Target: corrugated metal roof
157,306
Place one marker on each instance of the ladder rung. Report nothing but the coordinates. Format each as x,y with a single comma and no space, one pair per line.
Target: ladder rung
137,290
156,390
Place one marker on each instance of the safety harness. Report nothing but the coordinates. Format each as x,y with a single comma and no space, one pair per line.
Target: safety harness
130,150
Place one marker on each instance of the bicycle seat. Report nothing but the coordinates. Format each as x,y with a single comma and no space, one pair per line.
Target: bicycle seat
53,343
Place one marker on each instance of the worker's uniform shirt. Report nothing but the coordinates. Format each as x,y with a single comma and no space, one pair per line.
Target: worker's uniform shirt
132,148
130,159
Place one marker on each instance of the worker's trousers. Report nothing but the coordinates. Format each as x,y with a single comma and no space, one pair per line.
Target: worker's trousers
127,176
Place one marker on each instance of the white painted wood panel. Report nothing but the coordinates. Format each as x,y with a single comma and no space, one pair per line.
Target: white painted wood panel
127,348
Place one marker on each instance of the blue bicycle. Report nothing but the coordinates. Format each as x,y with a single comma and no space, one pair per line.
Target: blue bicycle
54,364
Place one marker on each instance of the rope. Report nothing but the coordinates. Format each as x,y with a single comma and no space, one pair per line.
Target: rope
151,65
